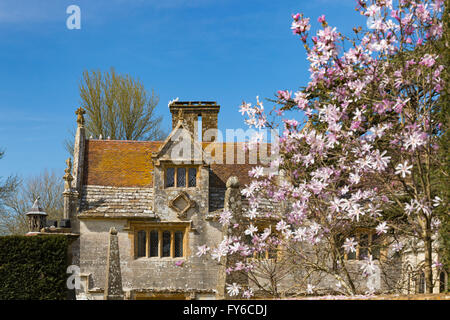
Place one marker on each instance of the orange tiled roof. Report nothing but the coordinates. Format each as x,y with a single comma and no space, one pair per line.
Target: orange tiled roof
120,163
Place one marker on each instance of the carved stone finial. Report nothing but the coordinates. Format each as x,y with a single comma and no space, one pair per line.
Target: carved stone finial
232,182
68,175
80,116
69,165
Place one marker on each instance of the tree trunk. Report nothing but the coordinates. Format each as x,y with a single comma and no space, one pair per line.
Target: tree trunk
428,263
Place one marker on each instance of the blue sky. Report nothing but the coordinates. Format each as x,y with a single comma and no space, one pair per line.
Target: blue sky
222,50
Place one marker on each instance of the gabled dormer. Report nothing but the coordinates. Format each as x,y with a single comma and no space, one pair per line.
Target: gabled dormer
181,174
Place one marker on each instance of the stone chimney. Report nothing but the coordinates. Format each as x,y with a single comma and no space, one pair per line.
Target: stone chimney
192,112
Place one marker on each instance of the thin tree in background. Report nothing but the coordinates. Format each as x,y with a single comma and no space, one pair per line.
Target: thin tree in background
9,185
7,189
48,186
118,107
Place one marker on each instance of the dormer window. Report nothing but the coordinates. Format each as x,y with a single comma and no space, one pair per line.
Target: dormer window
180,177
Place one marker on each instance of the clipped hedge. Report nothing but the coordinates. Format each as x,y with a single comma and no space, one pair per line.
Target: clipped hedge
33,267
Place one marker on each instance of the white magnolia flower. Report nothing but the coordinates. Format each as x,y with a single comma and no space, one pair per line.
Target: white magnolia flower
282,226
252,213
398,246
403,169
225,217
233,289
436,201
202,250
251,230
350,245
355,211
257,172
374,211
354,178
344,190
247,294
410,207
369,266
382,228
422,206
414,140
219,252
300,234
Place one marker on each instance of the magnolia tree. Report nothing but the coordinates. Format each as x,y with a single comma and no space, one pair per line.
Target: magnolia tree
365,157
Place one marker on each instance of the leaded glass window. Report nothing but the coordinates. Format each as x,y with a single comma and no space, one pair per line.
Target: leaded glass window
154,243
170,177
364,246
160,241
351,255
181,177
421,288
141,244
442,281
192,177
166,244
178,250
375,246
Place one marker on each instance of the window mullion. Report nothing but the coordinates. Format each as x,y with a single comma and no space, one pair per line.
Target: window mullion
172,244
175,178
147,244
160,243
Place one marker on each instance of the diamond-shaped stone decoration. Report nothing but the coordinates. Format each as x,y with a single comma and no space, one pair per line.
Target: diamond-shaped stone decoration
181,204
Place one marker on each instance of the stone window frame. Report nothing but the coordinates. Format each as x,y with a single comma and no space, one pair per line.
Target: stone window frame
357,235
160,227
186,167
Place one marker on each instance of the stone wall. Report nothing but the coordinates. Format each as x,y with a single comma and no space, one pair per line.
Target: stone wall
158,274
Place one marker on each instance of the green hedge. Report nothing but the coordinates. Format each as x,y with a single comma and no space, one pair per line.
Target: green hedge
33,267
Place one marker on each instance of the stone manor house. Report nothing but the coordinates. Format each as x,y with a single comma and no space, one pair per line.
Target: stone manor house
138,210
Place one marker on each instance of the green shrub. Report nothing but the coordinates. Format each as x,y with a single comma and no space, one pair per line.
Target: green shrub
33,267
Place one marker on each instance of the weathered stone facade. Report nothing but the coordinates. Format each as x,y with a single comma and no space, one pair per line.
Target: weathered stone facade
121,187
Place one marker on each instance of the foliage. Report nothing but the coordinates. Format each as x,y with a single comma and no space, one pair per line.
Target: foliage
119,107
7,189
368,154
444,117
48,186
33,267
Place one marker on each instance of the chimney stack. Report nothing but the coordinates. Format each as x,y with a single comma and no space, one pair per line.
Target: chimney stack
192,111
